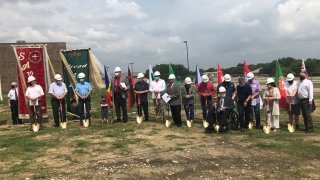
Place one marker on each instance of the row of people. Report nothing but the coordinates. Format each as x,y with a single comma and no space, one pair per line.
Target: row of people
247,95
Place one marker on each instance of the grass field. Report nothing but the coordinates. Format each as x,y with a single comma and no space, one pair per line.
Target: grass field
152,151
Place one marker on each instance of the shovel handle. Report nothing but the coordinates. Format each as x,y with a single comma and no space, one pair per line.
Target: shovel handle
34,106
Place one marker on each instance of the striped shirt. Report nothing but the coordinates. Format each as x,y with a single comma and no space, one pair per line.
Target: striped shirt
57,89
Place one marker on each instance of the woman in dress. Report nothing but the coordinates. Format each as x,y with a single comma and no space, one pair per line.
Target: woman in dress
272,95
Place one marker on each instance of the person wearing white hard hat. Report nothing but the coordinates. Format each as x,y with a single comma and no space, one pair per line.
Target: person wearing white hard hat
243,95
13,103
141,89
206,90
34,94
157,87
173,92
291,89
58,91
228,85
119,94
187,93
272,95
83,91
256,90
223,105
305,94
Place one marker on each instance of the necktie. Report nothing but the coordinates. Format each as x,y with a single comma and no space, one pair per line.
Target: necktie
116,85
15,94
170,87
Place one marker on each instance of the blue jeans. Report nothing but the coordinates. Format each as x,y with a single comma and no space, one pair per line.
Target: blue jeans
191,111
246,110
81,102
203,104
257,113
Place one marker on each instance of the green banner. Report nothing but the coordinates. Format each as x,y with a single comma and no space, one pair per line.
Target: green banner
78,61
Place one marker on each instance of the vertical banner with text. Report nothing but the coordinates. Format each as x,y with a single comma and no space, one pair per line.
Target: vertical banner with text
32,64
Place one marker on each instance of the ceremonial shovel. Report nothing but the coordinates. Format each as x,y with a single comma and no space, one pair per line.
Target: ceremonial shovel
158,118
189,121
267,128
35,126
205,122
139,118
63,124
291,127
85,121
168,121
216,125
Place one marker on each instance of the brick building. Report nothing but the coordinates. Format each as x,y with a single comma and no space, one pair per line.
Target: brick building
8,62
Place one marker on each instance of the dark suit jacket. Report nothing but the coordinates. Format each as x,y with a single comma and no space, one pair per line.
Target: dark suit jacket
175,94
227,102
124,93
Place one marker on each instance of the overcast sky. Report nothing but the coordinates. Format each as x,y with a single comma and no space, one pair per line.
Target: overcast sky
152,31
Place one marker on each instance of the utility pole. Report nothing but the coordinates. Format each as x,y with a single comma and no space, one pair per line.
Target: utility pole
187,54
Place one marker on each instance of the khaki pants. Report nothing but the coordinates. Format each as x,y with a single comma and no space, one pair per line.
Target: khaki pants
32,115
160,112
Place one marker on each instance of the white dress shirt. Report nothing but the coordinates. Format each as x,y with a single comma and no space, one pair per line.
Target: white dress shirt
159,86
11,94
291,88
57,89
221,104
34,92
305,90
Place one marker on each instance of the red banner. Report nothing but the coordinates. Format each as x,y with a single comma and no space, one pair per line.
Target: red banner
31,60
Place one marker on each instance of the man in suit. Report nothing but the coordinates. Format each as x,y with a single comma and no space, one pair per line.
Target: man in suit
119,94
187,93
222,106
173,91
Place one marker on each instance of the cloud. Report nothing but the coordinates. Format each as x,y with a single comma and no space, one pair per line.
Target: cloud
119,10
31,35
245,39
100,35
175,39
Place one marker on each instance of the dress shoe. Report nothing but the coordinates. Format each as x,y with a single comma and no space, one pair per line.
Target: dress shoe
146,120
309,131
179,125
297,127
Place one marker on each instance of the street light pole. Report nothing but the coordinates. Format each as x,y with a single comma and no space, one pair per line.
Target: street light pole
187,54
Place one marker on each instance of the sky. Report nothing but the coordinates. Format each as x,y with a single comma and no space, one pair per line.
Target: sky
152,32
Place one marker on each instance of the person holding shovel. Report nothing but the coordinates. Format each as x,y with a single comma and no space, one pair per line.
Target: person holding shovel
291,90
173,91
206,90
58,91
187,93
157,88
34,93
272,95
141,89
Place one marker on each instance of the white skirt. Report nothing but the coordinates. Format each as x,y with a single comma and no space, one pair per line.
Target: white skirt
273,121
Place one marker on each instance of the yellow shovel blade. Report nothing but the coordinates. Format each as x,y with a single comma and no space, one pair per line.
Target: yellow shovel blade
63,125
36,127
139,119
189,123
216,127
205,123
85,122
158,119
168,123
251,125
266,129
291,128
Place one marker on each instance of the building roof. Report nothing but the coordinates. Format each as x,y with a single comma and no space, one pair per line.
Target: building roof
256,71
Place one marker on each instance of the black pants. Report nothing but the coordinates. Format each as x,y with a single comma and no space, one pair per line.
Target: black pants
144,106
246,110
212,117
176,114
306,113
119,101
55,106
15,112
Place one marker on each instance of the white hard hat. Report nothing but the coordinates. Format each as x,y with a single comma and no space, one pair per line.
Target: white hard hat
156,73
222,89
58,77
270,80
250,75
81,75
117,69
31,78
204,78
140,75
172,76
227,78
188,80
290,77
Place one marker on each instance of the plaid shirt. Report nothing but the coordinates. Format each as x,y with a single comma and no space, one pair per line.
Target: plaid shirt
83,89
